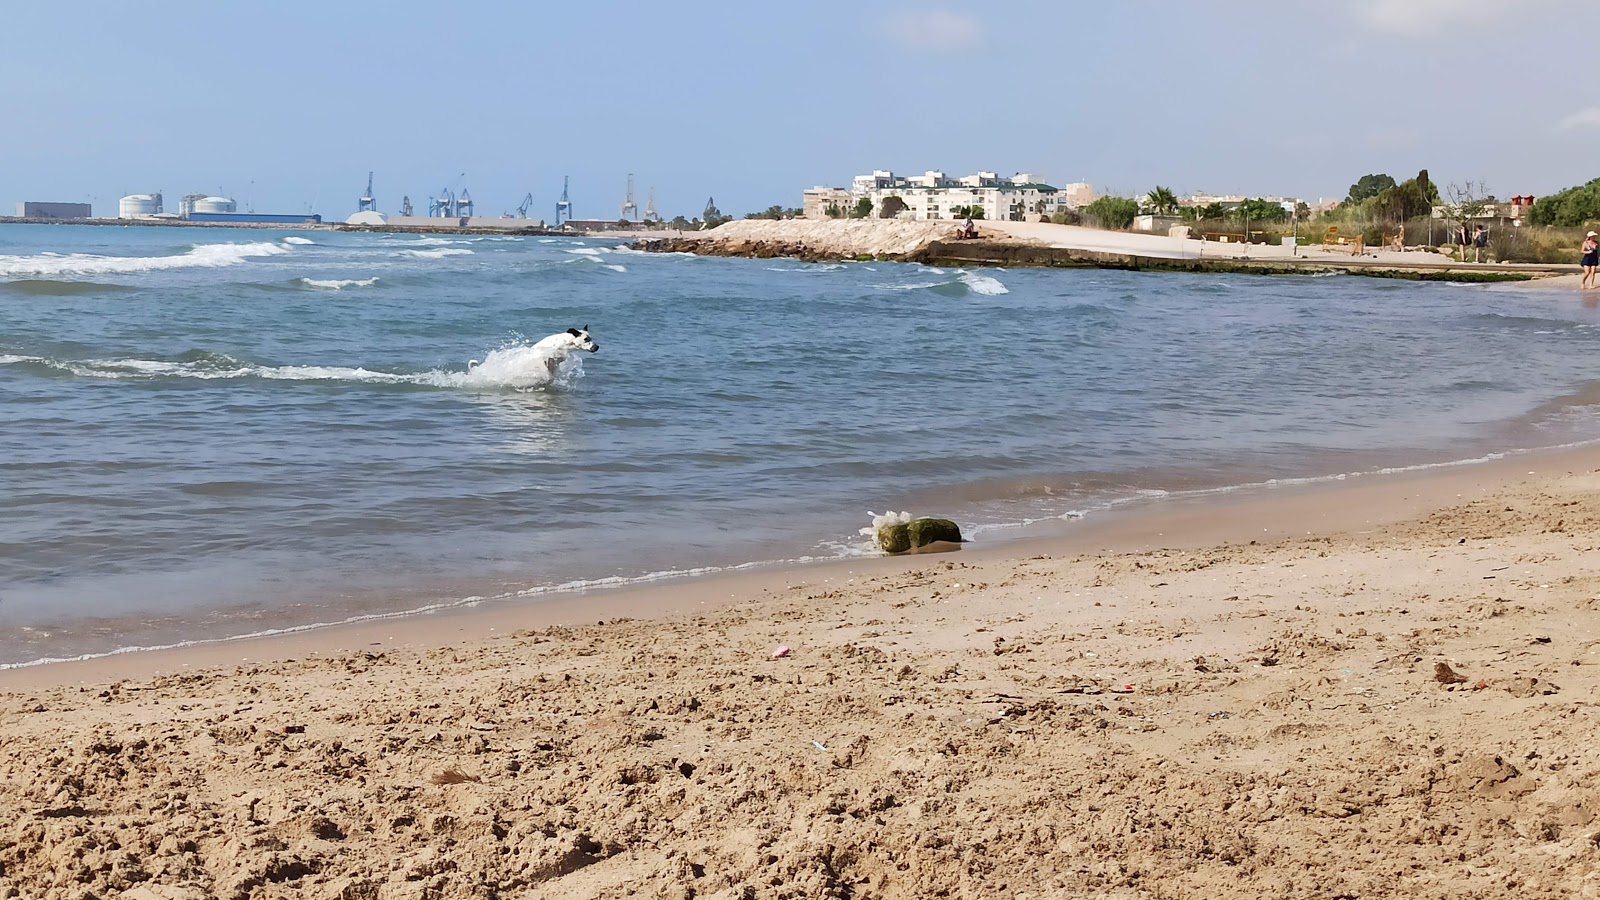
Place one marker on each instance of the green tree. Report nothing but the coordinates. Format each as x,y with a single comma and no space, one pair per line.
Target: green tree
1260,211
714,216
892,206
771,212
1161,201
1368,186
1114,212
679,222
863,208
1572,207
834,211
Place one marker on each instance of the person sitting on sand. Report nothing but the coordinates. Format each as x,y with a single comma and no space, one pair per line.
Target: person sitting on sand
1590,261
969,231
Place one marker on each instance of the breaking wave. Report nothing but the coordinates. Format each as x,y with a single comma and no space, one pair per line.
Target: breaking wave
298,240
517,366
965,283
336,284
204,256
439,253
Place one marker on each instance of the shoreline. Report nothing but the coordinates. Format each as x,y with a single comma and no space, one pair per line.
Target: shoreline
1334,501
1038,245
1200,702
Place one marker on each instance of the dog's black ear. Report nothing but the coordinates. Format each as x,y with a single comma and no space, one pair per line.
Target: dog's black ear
574,332
585,328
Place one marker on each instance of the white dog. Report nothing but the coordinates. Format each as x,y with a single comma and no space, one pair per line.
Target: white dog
555,349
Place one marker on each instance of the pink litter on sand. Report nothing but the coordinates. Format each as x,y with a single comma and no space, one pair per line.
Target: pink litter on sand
781,652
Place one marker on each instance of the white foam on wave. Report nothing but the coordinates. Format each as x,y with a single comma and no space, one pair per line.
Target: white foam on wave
298,240
615,268
516,366
585,251
439,253
338,284
987,285
436,241
204,256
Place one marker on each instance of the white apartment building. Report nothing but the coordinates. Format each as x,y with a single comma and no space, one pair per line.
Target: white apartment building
934,195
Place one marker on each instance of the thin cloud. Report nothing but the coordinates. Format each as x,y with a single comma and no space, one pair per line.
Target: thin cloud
1416,17
1584,119
935,30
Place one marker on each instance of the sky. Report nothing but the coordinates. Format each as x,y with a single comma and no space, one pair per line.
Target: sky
287,105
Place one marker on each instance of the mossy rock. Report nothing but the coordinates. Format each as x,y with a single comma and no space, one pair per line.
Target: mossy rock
895,538
927,531
917,534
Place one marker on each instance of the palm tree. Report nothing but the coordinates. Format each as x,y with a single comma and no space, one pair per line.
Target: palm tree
1161,201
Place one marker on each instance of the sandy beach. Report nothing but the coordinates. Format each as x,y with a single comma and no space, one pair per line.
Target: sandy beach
1379,687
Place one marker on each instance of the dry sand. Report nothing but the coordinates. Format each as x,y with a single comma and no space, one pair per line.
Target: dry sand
1235,698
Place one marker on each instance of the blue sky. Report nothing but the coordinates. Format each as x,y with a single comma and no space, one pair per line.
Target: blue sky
287,105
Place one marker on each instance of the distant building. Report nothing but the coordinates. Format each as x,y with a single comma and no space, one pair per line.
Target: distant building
1232,201
139,206
817,201
200,203
934,195
1496,213
32,209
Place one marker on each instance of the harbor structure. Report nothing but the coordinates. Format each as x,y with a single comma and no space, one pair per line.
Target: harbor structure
37,209
191,204
256,218
139,206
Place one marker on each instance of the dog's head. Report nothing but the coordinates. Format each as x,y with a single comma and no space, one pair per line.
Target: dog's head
582,341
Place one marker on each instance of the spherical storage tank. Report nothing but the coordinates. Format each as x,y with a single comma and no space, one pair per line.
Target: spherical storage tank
136,206
214,205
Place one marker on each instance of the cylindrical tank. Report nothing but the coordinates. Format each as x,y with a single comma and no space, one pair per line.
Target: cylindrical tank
135,206
214,205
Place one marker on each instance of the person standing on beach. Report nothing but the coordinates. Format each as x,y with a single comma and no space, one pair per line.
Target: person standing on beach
1480,243
1590,261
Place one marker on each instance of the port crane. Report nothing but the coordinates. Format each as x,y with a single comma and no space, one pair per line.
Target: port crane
405,205
628,206
367,203
524,206
650,214
564,205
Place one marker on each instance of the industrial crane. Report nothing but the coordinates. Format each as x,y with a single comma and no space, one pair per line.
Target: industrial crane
367,203
564,205
522,209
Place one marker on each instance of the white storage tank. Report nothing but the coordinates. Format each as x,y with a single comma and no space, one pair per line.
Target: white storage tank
214,205
138,206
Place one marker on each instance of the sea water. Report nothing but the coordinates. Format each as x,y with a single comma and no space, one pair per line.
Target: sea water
208,432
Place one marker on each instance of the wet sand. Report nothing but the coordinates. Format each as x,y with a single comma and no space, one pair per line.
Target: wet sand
1238,695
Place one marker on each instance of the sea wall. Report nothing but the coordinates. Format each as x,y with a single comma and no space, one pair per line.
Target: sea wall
933,243
826,239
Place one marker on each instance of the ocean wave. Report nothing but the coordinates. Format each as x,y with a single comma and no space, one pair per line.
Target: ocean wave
298,240
436,241
986,285
516,366
46,288
821,267
337,284
439,253
963,284
203,256
586,251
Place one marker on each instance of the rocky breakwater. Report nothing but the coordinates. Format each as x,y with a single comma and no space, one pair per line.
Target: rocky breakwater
812,241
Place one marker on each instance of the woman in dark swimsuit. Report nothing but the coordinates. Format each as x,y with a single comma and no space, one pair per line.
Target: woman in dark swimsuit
1590,261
